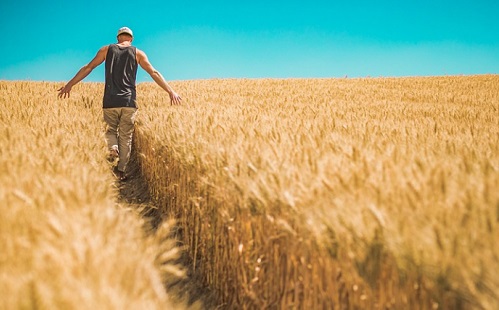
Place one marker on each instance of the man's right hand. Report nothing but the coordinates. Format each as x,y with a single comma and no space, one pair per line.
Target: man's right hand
175,99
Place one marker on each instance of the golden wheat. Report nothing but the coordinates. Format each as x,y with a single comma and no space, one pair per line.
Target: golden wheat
65,243
314,193
298,193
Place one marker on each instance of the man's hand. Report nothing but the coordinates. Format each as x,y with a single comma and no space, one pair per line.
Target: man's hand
64,91
174,98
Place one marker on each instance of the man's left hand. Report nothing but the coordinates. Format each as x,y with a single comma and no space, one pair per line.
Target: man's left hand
64,91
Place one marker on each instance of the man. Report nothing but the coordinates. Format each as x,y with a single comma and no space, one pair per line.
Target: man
119,103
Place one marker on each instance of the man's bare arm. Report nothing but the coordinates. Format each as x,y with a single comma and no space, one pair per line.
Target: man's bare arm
83,72
157,77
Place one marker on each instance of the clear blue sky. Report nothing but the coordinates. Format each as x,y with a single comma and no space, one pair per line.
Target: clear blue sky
51,40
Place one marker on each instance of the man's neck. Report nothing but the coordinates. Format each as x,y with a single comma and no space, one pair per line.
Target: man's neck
125,43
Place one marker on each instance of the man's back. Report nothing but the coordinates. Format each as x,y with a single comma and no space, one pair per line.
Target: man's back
121,72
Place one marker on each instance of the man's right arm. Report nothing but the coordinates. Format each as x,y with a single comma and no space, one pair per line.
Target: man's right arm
157,77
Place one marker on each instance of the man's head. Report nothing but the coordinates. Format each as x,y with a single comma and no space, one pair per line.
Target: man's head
125,34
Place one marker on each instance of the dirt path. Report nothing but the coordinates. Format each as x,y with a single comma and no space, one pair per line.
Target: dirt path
135,194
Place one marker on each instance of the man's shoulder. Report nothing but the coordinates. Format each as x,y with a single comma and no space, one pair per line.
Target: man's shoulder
140,53
105,48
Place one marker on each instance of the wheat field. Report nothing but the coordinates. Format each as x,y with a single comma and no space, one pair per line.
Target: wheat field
372,193
65,240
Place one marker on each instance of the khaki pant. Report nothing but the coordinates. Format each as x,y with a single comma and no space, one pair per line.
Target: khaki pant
120,125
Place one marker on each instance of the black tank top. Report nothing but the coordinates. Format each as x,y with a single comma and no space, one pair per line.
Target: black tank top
121,72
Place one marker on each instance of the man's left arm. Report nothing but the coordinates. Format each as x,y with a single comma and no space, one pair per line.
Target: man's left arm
83,72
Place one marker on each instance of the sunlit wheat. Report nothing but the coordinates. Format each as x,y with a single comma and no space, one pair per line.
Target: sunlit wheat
320,193
65,243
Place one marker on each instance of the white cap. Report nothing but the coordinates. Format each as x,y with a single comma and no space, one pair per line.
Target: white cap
126,30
